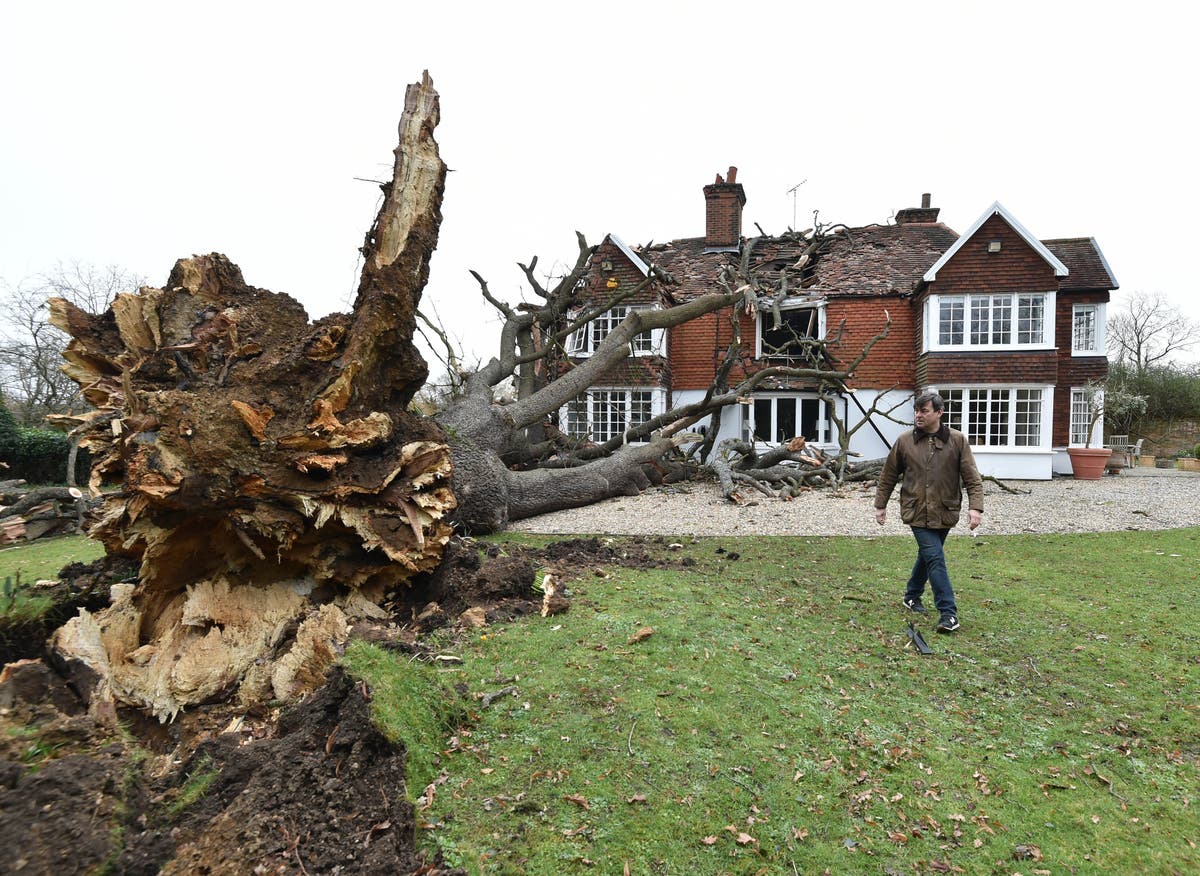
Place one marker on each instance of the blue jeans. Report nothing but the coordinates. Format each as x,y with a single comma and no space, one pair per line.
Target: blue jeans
931,566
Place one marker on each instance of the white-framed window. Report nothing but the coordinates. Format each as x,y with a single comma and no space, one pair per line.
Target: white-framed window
584,340
1000,416
1081,417
777,419
786,340
1008,321
1087,330
603,413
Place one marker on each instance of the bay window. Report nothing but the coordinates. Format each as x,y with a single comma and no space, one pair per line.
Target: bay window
1007,321
778,419
999,416
603,414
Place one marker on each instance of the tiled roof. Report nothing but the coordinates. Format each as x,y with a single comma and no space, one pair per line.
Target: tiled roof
874,259
880,258
1087,265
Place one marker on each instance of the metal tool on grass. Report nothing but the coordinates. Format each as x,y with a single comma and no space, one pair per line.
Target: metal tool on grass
918,640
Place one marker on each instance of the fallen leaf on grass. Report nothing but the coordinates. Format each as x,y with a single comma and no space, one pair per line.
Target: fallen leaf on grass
578,800
1027,853
708,840
636,798
800,833
744,839
643,633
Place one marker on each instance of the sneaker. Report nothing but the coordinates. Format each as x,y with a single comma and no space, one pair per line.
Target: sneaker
914,605
948,624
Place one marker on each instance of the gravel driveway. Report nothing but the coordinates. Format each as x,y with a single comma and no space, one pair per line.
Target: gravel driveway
1139,499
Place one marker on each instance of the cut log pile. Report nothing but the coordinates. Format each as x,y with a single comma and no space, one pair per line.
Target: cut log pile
27,514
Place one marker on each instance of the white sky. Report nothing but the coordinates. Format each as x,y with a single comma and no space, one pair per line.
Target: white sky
135,134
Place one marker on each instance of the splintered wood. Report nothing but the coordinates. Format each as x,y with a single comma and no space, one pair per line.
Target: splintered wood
269,477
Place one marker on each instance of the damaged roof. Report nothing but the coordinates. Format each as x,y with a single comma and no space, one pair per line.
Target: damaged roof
871,260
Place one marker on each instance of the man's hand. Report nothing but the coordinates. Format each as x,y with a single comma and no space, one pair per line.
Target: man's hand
974,518
881,516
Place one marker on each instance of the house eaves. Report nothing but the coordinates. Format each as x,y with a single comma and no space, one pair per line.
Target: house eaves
631,255
1060,270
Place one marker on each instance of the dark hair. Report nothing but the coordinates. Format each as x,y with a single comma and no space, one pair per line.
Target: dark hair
931,398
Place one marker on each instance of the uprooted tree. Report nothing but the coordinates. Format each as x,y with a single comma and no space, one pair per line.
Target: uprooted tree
272,484
270,479
512,460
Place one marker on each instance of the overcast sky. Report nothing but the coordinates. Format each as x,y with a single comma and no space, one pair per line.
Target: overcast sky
139,133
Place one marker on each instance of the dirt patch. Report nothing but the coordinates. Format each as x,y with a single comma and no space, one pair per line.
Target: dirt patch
313,788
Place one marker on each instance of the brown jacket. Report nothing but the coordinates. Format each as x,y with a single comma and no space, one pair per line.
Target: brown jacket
934,469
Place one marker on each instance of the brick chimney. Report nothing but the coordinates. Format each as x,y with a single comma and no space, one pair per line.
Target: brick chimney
724,200
923,214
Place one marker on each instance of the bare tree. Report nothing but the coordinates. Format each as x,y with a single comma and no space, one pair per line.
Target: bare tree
31,349
1150,331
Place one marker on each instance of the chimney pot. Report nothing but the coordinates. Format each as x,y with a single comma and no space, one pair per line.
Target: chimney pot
925,199
732,178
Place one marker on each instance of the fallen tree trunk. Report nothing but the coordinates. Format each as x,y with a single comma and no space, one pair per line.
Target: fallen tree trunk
36,513
272,484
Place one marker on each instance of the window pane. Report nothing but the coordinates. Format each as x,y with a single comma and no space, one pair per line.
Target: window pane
763,409
1084,333
1029,319
785,419
577,420
610,414
950,321
1028,425
1002,319
1080,416
977,411
998,412
980,319
953,418
640,406
810,417
605,323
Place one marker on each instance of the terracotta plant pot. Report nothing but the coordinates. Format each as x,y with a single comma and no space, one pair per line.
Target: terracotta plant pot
1087,463
1146,460
1187,463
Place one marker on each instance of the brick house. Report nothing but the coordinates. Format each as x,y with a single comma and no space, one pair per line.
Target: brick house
1009,329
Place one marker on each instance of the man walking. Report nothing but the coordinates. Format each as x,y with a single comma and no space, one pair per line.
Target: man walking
935,462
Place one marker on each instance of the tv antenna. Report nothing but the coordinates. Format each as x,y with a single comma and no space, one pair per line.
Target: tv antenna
792,192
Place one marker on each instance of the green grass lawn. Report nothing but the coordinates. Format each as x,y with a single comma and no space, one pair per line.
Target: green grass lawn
23,564
775,722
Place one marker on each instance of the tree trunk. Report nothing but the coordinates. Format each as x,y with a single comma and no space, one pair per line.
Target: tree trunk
272,483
